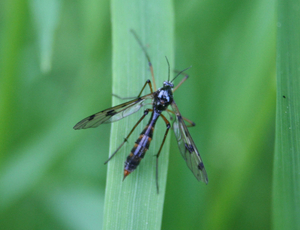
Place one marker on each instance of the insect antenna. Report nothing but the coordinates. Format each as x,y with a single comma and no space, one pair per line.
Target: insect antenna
168,68
181,73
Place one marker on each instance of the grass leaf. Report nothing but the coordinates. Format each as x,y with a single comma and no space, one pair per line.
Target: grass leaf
134,203
286,186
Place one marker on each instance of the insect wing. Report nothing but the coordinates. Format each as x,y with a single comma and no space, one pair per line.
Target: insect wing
187,147
112,114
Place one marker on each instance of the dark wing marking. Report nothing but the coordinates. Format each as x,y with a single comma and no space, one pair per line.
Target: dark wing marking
187,147
112,114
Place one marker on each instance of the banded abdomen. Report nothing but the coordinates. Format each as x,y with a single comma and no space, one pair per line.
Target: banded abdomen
141,146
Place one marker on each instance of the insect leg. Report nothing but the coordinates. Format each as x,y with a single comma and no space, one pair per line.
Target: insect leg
171,117
148,82
123,98
157,155
139,121
147,56
181,82
191,123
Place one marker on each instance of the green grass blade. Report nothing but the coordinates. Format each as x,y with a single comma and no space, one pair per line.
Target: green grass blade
134,203
46,18
286,187
11,40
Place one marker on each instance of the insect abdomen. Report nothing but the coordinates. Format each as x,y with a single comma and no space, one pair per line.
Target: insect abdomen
139,149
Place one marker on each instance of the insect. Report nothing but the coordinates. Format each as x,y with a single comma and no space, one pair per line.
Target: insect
161,98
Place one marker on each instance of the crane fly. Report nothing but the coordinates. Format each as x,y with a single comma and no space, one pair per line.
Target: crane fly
161,98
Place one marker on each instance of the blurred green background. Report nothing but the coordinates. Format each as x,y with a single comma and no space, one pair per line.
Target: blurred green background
55,69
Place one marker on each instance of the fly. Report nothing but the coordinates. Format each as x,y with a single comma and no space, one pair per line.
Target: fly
161,100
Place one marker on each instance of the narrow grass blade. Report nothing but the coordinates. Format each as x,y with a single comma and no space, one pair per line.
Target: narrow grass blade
134,203
46,18
11,39
286,186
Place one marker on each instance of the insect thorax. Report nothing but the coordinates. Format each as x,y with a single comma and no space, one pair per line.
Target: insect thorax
163,98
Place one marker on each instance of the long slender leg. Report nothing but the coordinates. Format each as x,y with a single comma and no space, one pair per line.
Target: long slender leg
150,86
145,113
123,98
148,82
181,82
147,56
157,155
192,124
170,115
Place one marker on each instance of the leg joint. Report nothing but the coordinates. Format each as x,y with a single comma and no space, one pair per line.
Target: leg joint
146,111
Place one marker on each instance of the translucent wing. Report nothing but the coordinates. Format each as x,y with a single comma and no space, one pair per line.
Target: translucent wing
187,147
113,114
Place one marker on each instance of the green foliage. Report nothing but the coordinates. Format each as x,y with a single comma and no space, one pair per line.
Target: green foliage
55,69
134,203
231,98
286,187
